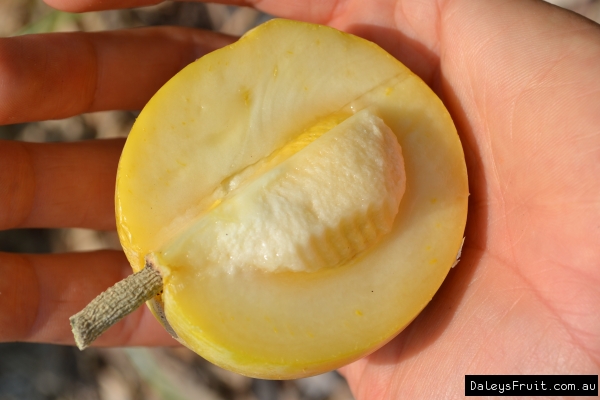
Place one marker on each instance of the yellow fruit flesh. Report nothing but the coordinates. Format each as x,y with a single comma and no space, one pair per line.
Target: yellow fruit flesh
241,102
238,106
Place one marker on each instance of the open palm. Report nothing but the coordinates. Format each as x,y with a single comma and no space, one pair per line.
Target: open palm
520,79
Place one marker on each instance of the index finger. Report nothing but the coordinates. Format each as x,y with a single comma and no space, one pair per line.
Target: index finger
319,11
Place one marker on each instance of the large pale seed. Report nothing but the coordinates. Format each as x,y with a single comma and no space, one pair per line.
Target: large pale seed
319,208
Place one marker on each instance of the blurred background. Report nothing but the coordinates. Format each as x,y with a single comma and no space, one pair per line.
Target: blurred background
44,372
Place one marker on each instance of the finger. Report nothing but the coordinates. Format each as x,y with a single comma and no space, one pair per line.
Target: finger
58,75
84,6
38,294
52,185
409,29
314,11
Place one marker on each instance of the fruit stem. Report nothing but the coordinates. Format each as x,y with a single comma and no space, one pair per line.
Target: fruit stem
115,303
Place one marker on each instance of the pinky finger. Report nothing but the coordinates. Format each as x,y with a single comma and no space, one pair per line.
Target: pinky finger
38,294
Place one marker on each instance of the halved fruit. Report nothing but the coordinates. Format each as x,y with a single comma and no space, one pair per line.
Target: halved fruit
289,141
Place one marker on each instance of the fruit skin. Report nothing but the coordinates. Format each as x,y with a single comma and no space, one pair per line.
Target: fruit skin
432,214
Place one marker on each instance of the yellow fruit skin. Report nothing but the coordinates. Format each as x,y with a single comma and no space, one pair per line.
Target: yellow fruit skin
354,309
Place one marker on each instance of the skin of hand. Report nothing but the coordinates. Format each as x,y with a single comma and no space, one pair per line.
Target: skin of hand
520,79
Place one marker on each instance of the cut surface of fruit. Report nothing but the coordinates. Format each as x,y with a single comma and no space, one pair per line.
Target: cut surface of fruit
323,205
266,181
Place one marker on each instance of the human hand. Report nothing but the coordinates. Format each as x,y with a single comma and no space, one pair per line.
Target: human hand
520,80
55,185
